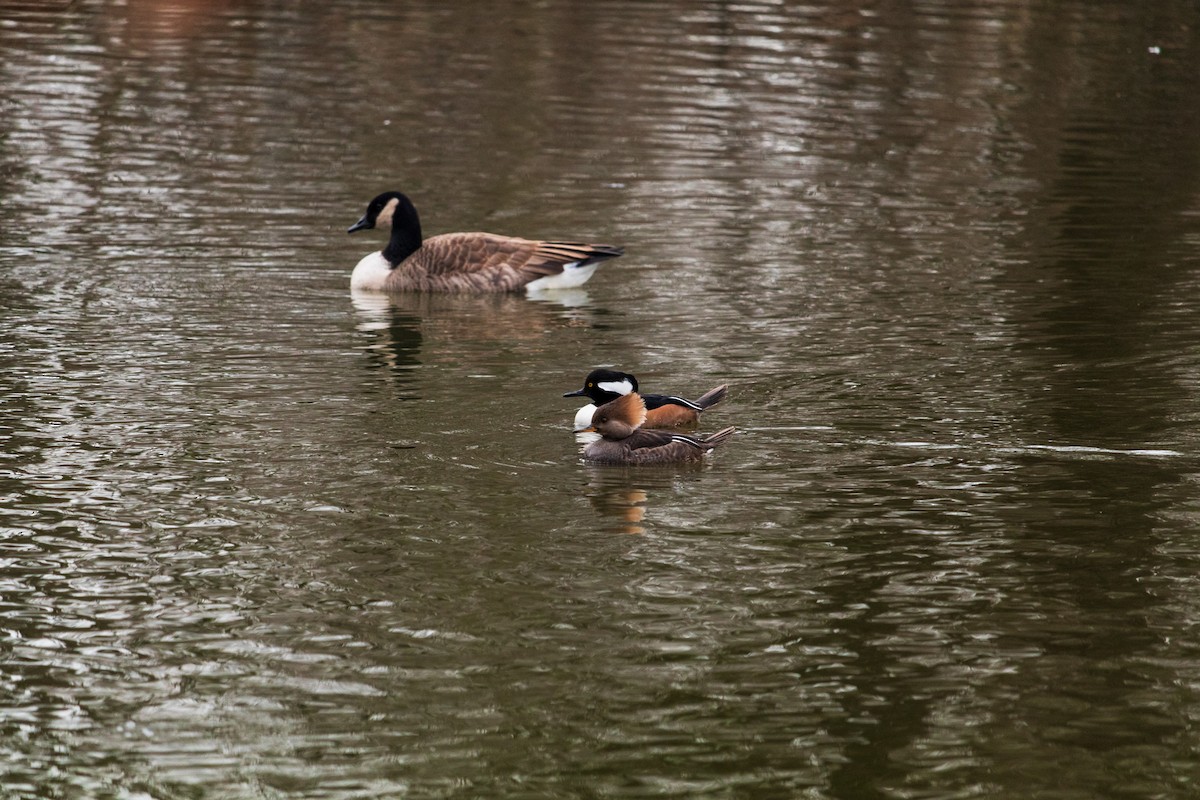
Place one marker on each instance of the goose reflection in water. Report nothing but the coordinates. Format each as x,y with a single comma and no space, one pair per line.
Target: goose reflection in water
402,326
394,335
163,23
479,318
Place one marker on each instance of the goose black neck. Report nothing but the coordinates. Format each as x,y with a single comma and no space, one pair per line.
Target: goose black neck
406,233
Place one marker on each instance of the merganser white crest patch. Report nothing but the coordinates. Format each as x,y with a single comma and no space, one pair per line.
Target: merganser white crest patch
622,386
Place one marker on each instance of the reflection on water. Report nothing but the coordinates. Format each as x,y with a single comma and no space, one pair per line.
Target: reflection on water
262,537
628,506
395,337
406,332
503,318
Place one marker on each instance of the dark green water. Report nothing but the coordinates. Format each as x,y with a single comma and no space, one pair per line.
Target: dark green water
262,539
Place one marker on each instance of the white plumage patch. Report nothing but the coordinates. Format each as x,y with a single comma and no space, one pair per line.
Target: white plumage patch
686,403
622,386
384,220
571,277
371,273
583,417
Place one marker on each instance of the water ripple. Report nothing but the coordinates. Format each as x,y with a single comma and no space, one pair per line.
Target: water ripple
261,536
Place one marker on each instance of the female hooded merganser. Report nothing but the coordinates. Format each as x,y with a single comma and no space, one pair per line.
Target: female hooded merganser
662,410
623,441
466,262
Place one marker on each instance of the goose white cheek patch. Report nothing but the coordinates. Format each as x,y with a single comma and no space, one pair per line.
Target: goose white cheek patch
384,220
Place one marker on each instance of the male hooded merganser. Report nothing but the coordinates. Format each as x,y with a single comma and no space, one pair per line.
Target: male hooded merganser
662,410
466,262
623,441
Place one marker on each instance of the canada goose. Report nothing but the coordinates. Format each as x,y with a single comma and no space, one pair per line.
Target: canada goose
466,262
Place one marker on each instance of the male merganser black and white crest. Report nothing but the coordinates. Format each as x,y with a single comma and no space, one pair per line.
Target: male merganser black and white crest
662,410
623,441
466,262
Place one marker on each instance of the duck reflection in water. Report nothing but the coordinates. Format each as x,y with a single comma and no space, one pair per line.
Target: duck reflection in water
614,497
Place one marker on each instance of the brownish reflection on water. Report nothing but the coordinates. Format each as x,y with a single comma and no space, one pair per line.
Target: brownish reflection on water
262,537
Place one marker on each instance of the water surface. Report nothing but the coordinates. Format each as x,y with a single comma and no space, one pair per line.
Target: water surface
263,538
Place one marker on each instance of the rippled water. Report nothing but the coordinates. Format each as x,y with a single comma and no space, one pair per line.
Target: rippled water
262,538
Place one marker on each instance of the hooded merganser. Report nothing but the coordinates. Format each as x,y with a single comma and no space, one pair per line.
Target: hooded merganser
662,410
623,441
466,262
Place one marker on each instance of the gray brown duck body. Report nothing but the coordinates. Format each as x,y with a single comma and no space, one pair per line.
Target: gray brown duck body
623,441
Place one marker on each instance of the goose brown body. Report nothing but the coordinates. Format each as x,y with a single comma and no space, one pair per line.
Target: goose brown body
485,262
623,441
474,262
